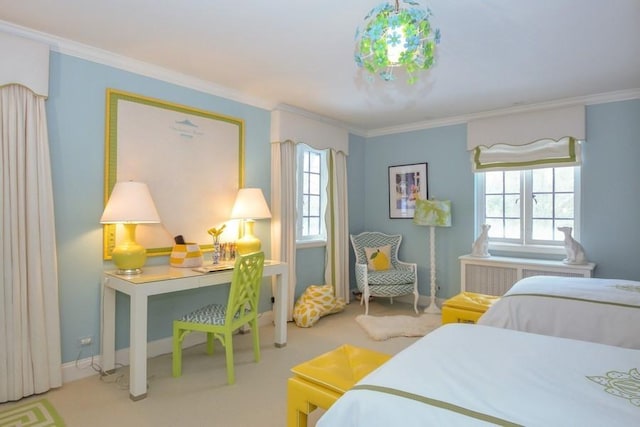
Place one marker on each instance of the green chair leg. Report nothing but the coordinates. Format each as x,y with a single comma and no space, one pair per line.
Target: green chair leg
177,352
228,345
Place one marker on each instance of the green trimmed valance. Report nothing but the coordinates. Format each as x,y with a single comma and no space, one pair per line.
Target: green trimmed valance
543,153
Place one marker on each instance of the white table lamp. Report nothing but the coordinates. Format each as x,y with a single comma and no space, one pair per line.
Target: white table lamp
249,206
433,213
130,204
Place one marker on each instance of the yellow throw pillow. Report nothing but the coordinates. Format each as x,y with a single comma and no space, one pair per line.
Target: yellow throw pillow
378,258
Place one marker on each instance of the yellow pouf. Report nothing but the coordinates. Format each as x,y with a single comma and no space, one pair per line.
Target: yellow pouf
466,307
320,381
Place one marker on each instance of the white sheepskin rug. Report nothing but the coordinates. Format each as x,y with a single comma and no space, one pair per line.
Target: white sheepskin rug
381,328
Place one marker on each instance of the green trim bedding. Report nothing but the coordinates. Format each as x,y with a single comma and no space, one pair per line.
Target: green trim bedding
461,375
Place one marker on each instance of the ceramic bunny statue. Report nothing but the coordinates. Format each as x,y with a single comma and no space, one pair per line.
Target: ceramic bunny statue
480,247
575,252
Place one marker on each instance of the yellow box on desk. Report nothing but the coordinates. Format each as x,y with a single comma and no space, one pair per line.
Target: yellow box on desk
466,307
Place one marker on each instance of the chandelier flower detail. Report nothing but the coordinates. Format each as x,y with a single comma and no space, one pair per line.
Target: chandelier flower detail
391,37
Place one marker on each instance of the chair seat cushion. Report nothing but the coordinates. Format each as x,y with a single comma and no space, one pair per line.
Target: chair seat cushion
212,314
390,277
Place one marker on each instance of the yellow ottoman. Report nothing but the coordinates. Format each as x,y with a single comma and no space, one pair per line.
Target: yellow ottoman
466,307
319,382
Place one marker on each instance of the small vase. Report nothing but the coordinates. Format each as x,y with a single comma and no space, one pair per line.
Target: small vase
216,251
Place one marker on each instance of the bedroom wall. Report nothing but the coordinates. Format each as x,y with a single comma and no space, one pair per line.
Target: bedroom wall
76,115
610,203
449,177
76,108
610,184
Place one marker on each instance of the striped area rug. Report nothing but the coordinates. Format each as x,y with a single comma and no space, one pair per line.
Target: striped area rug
39,413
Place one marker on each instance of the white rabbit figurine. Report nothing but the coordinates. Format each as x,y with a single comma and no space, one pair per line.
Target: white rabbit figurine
575,252
480,247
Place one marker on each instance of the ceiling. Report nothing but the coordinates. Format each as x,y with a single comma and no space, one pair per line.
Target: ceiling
494,54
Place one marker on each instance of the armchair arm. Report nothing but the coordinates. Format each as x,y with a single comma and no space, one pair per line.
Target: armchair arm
361,276
407,266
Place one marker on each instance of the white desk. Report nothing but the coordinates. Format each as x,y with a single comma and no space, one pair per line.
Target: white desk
163,279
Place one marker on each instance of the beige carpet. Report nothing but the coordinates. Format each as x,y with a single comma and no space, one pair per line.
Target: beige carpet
381,328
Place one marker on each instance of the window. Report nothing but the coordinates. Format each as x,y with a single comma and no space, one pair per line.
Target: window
311,194
525,208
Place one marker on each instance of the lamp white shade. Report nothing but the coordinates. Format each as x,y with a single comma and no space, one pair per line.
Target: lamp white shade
250,204
130,202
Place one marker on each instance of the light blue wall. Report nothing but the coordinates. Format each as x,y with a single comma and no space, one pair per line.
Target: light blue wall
449,177
76,115
610,203
76,109
611,189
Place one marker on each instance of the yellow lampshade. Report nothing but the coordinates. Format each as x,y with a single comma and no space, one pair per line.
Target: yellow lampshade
250,205
130,203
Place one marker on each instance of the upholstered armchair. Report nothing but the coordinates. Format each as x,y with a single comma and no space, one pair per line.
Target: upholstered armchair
379,273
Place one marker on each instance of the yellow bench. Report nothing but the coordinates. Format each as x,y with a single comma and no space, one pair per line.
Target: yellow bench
319,382
466,307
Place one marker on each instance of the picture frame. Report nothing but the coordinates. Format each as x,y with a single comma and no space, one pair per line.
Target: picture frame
406,183
192,160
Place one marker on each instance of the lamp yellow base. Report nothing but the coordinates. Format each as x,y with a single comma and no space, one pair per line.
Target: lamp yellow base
129,256
248,243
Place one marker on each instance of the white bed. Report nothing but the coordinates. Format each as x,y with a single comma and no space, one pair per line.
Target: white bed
599,310
461,375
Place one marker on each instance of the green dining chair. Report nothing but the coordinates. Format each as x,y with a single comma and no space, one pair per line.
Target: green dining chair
220,321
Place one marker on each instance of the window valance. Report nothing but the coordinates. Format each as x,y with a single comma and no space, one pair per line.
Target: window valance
24,62
538,154
286,125
535,139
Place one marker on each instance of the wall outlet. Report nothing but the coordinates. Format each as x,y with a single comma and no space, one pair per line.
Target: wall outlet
85,341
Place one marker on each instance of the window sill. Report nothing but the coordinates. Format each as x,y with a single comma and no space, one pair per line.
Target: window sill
311,244
527,250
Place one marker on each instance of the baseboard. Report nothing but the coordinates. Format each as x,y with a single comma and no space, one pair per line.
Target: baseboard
89,366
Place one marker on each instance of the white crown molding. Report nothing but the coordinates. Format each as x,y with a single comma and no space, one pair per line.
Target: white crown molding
89,53
600,98
104,57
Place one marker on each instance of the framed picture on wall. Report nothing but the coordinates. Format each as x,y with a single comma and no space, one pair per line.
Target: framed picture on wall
406,184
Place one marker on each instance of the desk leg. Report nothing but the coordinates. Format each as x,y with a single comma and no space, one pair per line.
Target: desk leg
108,344
138,347
280,308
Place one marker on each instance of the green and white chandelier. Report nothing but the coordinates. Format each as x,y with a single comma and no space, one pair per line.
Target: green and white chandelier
392,37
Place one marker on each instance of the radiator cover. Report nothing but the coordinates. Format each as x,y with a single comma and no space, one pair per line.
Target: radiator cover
496,275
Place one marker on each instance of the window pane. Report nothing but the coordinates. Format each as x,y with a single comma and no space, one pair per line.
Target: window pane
542,229
564,206
314,183
314,206
314,165
305,227
496,230
494,206
305,183
512,182
564,179
305,206
542,180
493,182
512,228
314,226
512,206
543,206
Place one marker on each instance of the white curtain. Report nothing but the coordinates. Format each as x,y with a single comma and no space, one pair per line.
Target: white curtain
30,360
283,211
337,220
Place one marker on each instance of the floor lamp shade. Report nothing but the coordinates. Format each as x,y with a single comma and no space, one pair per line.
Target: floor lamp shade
432,213
250,205
130,203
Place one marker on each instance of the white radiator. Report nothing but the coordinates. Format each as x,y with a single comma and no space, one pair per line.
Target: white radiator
496,275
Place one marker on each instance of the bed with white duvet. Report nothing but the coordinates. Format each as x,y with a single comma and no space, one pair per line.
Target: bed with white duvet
600,310
462,375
